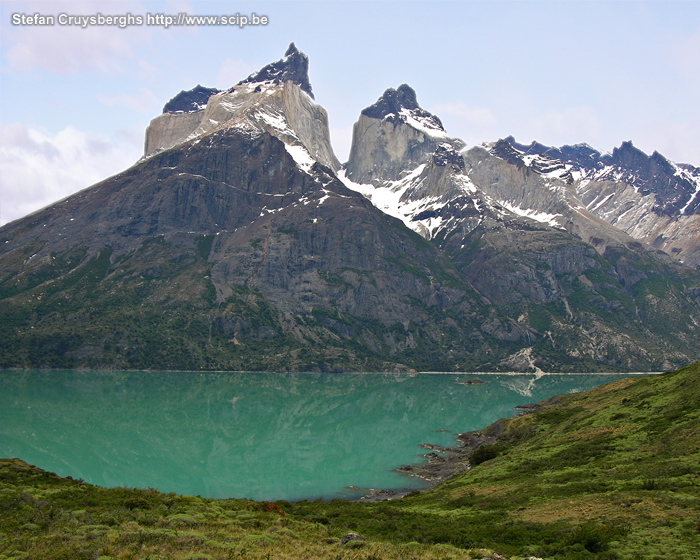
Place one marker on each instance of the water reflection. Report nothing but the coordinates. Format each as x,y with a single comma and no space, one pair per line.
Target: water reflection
256,435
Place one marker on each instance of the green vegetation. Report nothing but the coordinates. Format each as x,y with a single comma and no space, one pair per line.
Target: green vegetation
610,474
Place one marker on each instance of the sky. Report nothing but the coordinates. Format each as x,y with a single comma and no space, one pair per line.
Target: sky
75,101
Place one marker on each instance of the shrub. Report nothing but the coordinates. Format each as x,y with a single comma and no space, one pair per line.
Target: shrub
484,453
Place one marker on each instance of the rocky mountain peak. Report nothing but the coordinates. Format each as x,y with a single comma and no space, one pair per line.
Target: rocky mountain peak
294,67
276,100
398,105
648,197
393,137
579,156
628,156
190,101
506,151
392,101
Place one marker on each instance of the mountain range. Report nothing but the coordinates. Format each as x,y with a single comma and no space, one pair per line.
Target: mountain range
240,242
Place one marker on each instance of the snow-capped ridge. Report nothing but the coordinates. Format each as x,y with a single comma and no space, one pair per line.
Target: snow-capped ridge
401,106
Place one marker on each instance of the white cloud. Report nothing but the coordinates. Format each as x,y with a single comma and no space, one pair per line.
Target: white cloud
231,72
37,169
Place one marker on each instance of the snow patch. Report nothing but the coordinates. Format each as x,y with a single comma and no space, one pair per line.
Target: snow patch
422,124
543,217
301,157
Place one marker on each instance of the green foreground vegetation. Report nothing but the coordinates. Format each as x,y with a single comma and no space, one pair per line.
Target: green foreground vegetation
613,473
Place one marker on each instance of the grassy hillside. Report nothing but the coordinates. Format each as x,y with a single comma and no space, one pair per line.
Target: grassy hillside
613,473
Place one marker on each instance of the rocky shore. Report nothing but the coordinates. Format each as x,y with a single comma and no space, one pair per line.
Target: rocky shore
445,462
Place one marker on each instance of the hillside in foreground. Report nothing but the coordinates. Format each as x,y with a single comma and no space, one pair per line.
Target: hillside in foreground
612,473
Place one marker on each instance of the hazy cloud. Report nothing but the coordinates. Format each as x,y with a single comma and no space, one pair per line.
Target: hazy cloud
69,49
231,72
570,126
145,101
37,169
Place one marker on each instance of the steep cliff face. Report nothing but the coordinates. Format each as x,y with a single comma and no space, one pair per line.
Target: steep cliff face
236,249
539,188
234,254
392,137
276,100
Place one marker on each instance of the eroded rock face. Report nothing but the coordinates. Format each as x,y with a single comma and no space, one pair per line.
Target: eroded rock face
169,130
514,226
275,100
237,244
392,137
282,110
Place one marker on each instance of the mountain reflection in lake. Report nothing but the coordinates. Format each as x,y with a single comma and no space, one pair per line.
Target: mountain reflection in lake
264,436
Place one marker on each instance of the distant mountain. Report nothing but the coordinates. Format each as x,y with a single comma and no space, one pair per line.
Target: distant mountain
239,243
649,197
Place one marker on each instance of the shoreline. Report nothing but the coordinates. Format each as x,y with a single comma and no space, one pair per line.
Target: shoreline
392,373
442,463
445,462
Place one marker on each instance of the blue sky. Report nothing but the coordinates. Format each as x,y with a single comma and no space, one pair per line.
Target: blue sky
74,103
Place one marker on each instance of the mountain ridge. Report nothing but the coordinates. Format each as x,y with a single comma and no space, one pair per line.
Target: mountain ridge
649,197
238,242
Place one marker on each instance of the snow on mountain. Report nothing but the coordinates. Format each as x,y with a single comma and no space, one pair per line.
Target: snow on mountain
650,198
409,167
276,100
294,67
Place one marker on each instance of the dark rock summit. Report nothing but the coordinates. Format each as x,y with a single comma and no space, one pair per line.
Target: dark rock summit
390,105
293,67
190,101
652,174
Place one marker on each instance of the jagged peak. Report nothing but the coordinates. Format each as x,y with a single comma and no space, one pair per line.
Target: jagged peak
189,101
392,101
627,149
397,105
294,67
291,49
505,150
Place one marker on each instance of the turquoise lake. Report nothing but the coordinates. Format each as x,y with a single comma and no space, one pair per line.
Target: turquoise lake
264,436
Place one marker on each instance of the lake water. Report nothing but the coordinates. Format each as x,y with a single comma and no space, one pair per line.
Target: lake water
263,436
